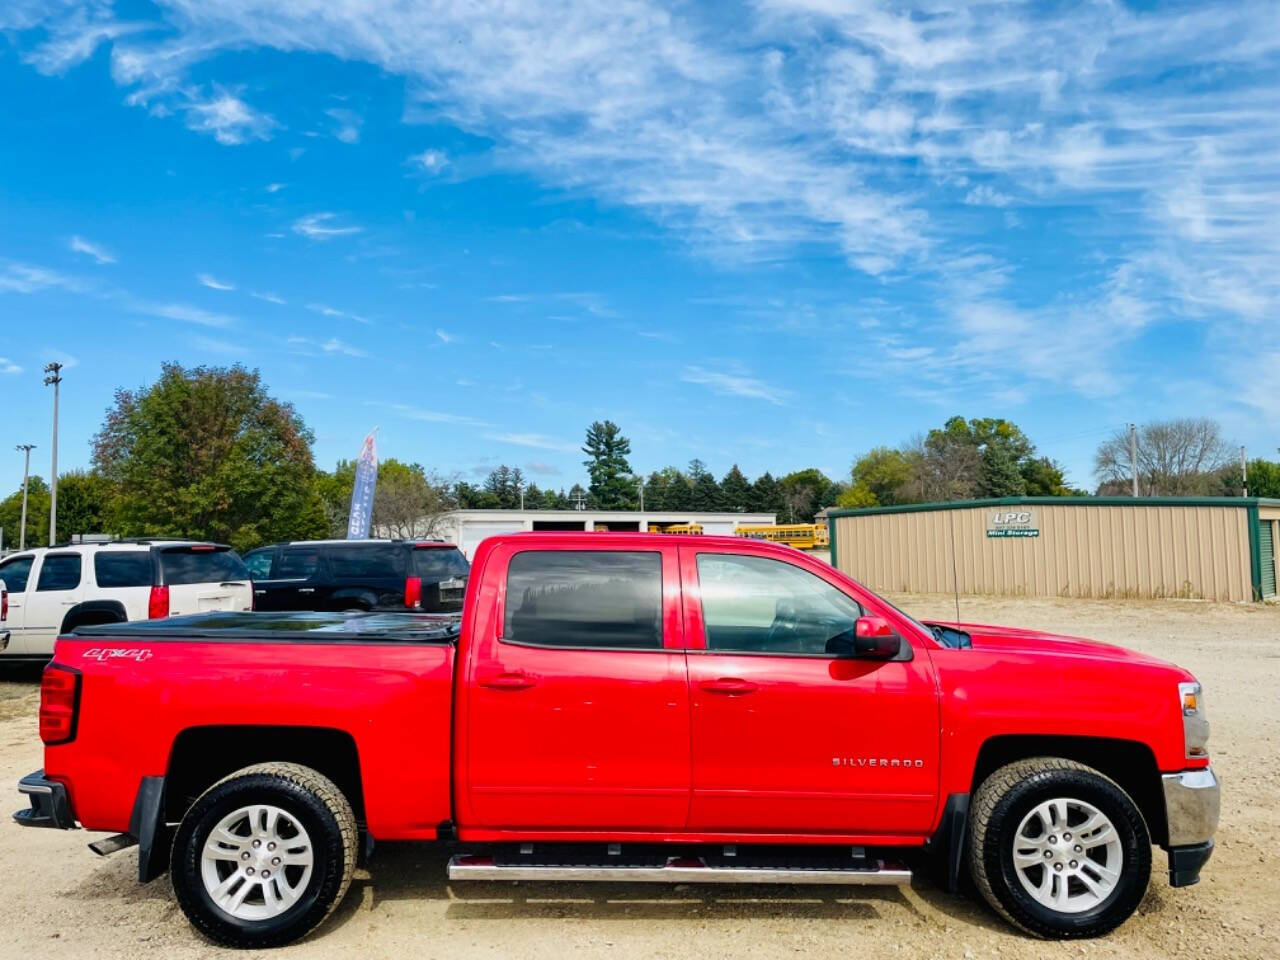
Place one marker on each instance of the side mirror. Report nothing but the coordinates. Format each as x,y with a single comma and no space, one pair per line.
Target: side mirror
872,638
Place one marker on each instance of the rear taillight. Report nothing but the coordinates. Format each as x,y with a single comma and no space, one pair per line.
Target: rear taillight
4,604
59,704
413,593
158,603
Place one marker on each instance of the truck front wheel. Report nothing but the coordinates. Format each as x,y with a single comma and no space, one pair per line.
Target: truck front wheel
264,855
1057,848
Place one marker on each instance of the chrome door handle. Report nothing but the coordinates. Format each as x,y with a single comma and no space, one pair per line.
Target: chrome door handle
306,589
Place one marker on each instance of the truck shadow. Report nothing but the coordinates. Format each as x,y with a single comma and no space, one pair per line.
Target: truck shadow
410,873
405,872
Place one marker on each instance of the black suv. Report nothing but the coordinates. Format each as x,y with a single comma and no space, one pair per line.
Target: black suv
334,575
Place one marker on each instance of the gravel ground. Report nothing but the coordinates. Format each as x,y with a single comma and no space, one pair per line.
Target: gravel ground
59,900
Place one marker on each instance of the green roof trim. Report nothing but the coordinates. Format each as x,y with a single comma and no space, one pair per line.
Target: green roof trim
1251,503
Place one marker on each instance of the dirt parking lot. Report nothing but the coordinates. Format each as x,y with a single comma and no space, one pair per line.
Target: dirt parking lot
59,900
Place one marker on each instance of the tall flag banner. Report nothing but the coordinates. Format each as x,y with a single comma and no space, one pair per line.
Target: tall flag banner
362,493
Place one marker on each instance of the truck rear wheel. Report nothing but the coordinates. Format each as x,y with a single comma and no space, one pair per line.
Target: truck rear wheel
1058,849
264,855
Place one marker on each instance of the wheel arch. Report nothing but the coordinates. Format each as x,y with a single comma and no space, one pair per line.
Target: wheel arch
93,612
201,756
1130,763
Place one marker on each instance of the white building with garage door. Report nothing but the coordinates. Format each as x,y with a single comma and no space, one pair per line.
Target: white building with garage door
467,528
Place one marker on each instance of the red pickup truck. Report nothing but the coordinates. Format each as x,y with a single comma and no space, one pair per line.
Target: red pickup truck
627,707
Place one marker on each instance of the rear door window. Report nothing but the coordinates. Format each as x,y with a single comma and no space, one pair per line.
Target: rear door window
184,565
123,569
298,563
15,573
60,571
595,599
368,562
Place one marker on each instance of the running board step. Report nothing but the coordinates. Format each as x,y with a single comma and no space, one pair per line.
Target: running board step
676,870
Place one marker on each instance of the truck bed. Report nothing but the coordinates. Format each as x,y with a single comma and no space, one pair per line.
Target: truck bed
383,681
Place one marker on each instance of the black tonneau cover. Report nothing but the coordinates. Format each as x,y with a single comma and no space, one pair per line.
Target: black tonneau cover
287,627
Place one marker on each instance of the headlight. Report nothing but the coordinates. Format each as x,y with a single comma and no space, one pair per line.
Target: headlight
1195,728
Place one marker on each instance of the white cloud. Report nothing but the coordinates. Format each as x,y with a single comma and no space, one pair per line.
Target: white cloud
984,195
536,440
213,283
428,416
428,161
347,124
322,226
333,347
736,385
275,187
445,337
327,311
79,244
855,127
229,119
542,468
27,278
184,313
269,298
8,366
224,348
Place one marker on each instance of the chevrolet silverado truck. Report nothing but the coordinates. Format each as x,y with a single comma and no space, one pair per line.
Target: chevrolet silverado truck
627,707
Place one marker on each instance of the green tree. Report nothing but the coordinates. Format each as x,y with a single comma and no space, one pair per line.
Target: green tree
504,483
1044,478
858,495
735,491
607,451
84,503
882,475
37,514
766,496
803,492
999,474
206,452
705,495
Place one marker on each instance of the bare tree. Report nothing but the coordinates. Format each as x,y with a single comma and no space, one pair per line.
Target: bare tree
1175,458
410,502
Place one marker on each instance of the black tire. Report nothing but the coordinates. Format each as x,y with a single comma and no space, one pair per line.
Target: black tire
1006,797
317,805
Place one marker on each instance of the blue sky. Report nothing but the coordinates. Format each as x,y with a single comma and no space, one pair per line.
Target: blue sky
773,233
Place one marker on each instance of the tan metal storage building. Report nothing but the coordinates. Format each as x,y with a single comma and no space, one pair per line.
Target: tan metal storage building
1212,548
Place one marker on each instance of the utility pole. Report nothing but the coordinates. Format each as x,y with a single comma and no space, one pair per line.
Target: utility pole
53,379
26,472
1133,456
1244,472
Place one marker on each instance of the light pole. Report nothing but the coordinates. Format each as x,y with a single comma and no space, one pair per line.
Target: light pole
53,379
26,448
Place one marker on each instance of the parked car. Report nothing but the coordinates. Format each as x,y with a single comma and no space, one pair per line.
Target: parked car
54,590
359,575
627,707
4,616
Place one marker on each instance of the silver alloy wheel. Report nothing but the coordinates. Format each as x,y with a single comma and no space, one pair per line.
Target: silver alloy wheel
256,862
1068,855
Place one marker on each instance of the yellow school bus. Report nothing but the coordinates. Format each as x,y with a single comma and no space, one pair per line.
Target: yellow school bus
692,529
804,536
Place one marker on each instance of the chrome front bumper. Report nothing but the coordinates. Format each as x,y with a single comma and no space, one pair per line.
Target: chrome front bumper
1191,800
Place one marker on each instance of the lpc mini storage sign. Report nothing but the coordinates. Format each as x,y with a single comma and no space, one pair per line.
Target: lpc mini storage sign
1012,523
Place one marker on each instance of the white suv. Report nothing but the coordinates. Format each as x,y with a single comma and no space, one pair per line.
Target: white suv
53,590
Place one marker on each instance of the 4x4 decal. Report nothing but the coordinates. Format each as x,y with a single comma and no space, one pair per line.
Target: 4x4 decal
103,654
